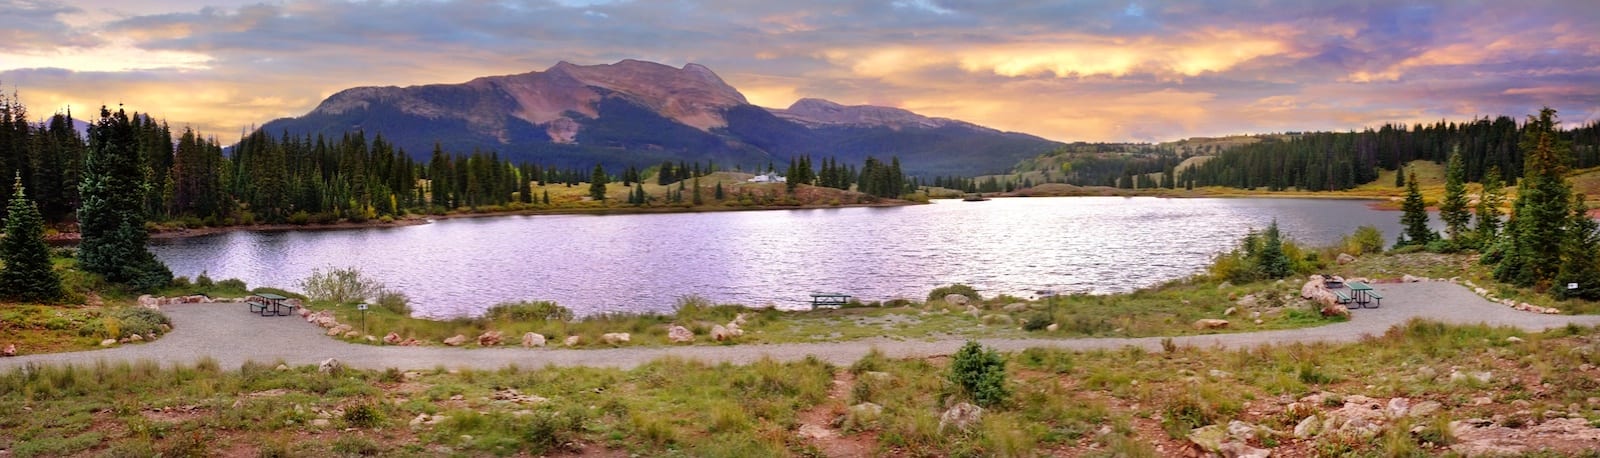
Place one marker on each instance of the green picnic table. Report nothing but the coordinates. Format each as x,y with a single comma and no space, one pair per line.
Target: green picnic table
1364,295
829,300
268,304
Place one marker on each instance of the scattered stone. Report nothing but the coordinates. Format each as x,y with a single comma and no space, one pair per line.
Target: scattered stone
1218,373
877,376
321,422
1335,309
456,341
392,339
329,365
1481,377
810,431
956,300
1015,307
532,339
680,334
615,338
960,417
1514,339
1208,438
511,395
281,367
10,350
1398,407
971,310
489,339
1407,278
132,338
1344,258
739,319
1560,435
352,334
108,342
1425,409
1307,428
1210,323
720,333
1053,327
572,341
1231,310
1242,450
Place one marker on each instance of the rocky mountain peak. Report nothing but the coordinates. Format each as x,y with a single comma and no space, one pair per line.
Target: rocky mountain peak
812,111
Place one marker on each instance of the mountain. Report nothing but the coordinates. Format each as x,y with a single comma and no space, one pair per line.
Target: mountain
642,113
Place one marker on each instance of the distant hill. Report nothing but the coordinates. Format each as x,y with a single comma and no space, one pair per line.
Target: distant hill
642,113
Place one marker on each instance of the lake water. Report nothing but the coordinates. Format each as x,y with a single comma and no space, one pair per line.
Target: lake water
636,263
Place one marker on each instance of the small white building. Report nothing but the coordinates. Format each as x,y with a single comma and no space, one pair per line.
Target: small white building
769,177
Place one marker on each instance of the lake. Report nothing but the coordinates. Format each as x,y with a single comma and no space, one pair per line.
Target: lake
635,263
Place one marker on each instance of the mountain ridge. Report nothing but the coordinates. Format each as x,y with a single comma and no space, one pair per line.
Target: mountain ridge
636,112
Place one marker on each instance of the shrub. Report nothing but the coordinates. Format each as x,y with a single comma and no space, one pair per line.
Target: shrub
528,311
1037,321
981,373
340,285
138,320
938,294
363,416
395,302
233,284
204,281
1366,239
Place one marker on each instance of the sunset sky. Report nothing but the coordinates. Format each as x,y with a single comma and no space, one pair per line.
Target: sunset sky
1069,71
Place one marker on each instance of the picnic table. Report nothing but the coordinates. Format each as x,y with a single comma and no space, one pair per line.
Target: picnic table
1364,295
829,300
268,304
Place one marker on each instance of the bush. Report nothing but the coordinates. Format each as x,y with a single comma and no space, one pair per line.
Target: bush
233,284
1037,321
938,294
981,373
1366,239
137,320
363,416
395,302
340,285
528,311
204,281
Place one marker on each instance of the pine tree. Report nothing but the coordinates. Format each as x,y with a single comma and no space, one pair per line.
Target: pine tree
1454,208
1488,210
1580,256
112,217
547,197
718,194
1400,178
1272,260
597,183
1541,213
697,200
1414,216
26,275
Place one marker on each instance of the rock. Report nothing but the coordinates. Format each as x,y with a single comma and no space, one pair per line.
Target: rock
1335,310
281,367
303,312
392,338
1210,323
352,334
340,329
1307,428
321,422
1551,311
532,339
615,338
680,334
973,311
1344,258
1560,436
165,328
960,417
1398,407
1248,301
1407,278
720,333
1218,373
739,319
866,408
1208,438
489,339
10,350
810,431
997,319
1053,327
572,341
108,342
136,338
1425,409
1481,377
877,376
1015,307
1514,339
1241,431
1225,285
1242,450
329,365
956,300
417,422
456,341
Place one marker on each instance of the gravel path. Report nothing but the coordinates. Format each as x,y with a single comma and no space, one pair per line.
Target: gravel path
230,335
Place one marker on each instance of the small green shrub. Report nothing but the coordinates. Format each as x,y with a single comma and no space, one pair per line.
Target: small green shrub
395,302
529,311
363,416
233,284
939,293
204,281
981,373
138,320
356,445
1036,322
340,285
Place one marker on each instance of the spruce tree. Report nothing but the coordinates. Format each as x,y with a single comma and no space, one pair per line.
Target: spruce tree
1414,216
112,217
1488,210
25,272
1272,262
718,194
1580,256
1541,213
697,200
1454,208
597,183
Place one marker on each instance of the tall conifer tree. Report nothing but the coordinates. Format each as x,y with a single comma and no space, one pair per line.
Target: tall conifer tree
26,274
112,217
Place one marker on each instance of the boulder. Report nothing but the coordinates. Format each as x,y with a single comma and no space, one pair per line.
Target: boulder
1307,428
328,366
1344,258
352,334
1514,339
10,350
136,338
1231,310
960,417
1053,327
973,311
340,329
532,339
956,300
1248,301
1335,309
1015,307
1425,409
391,339
1210,323
489,339
1242,450
108,342
1208,438
1310,289
615,338
720,333
680,334
303,312
1407,278
456,341
572,341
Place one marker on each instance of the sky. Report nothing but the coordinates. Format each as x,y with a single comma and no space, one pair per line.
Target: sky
1109,71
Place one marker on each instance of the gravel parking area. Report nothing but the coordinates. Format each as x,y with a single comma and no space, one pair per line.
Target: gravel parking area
231,336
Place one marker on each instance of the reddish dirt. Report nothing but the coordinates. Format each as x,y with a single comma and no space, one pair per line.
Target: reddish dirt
836,443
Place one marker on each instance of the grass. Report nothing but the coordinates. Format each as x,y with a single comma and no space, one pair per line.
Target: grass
1114,402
